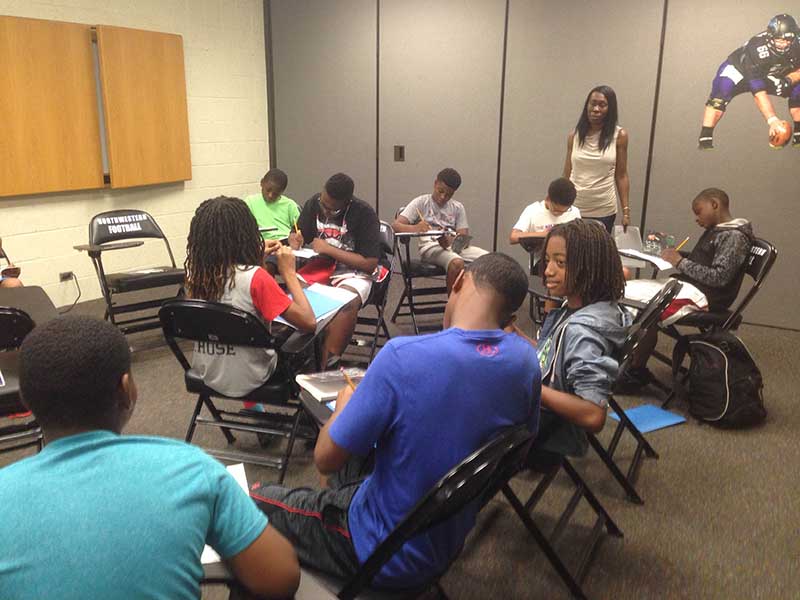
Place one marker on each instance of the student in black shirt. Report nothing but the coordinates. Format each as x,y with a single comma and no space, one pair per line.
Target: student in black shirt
345,232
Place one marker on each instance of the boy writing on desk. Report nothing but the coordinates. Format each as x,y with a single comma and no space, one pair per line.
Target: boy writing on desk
438,210
714,266
345,232
538,218
272,209
425,404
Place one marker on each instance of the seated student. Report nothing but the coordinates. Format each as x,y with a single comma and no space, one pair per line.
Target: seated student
345,232
272,209
97,514
425,404
439,211
538,218
578,341
9,274
224,258
714,266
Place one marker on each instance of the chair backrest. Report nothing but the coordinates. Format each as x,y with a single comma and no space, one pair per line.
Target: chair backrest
214,322
124,224
387,238
759,263
482,472
15,324
646,320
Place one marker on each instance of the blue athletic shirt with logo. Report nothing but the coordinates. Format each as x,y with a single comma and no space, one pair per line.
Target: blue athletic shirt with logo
426,403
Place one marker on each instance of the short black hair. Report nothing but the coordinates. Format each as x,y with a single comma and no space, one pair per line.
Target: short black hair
714,194
594,268
449,177
505,276
340,187
277,177
562,191
70,368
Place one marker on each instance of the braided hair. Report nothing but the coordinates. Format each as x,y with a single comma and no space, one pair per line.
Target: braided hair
223,234
594,269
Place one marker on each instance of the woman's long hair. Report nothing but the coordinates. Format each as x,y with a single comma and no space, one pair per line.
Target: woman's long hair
223,234
610,122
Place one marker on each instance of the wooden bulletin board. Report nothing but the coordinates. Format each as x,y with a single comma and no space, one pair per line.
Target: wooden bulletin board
49,122
144,99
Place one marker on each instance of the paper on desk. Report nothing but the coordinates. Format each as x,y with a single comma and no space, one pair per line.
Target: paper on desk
209,555
305,253
324,301
662,264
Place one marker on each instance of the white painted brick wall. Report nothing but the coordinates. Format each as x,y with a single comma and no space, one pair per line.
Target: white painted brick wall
223,43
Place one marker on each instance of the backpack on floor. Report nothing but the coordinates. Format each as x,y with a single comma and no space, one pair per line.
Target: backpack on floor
724,385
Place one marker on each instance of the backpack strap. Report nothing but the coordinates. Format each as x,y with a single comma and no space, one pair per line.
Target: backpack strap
679,352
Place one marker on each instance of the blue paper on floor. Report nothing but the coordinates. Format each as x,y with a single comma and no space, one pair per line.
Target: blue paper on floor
649,417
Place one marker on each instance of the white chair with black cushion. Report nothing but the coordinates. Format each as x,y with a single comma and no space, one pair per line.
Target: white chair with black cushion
121,230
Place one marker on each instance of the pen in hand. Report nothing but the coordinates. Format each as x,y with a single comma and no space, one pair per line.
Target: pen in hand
347,379
682,244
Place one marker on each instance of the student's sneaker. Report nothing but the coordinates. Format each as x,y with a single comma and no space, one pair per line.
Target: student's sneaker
705,143
634,380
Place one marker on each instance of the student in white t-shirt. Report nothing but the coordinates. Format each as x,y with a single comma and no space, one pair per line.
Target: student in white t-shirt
538,218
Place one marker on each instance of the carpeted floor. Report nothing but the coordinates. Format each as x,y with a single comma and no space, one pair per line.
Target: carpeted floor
721,517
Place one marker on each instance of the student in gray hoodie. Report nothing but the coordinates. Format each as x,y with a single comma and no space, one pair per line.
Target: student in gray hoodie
578,342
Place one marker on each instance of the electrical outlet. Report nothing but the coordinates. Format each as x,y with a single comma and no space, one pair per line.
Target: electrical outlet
66,276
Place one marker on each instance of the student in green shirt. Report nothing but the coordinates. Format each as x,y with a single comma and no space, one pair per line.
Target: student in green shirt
271,208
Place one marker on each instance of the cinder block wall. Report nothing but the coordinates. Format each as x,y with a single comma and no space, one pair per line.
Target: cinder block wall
226,89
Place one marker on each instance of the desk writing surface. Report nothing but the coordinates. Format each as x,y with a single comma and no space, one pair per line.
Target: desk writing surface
32,299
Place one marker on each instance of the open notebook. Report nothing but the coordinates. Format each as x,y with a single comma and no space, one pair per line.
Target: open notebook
325,300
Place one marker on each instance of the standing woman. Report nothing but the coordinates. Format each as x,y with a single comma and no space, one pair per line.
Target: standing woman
597,160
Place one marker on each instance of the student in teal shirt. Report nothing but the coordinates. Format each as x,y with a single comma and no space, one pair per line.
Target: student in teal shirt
271,208
97,514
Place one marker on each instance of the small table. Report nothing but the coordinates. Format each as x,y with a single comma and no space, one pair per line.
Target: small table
32,299
415,234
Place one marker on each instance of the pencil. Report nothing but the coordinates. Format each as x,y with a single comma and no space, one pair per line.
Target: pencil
421,218
682,244
347,379
296,228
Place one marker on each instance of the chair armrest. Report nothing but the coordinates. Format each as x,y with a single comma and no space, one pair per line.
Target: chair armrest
98,248
633,303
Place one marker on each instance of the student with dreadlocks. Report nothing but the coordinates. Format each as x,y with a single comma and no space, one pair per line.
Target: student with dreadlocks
578,341
224,263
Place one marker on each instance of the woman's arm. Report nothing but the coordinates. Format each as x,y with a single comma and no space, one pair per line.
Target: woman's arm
568,161
621,176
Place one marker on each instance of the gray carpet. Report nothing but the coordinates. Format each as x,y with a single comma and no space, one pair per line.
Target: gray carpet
721,511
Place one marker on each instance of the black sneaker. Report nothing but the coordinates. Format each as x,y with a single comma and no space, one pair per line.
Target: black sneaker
634,380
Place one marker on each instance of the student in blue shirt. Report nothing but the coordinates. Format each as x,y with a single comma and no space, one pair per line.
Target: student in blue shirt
426,403
100,515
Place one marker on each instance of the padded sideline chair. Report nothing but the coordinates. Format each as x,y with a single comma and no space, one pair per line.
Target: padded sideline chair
24,431
109,231
644,323
371,330
217,323
414,269
478,477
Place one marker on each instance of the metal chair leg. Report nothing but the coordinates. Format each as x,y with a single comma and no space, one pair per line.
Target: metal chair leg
217,417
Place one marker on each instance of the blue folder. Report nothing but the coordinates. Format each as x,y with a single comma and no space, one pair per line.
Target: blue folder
321,304
650,418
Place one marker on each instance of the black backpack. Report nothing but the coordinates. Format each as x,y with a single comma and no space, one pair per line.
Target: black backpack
724,383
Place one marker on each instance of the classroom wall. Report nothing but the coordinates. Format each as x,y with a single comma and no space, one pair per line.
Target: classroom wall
226,89
439,85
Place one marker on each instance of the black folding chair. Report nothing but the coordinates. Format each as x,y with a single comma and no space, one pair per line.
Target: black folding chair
213,322
373,331
645,322
109,231
476,479
553,463
22,431
413,270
